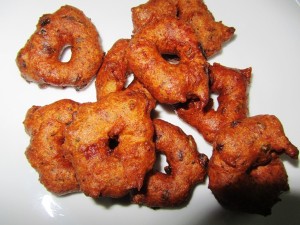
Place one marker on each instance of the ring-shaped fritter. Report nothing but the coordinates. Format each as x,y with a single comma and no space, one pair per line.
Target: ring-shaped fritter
187,168
46,126
110,144
169,83
39,60
231,86
245,172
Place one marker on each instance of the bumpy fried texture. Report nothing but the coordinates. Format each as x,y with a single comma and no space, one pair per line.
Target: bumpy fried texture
114,70
39,60
110,144
187,167
169,83
46,127
210,34
245,172
136,86
153,10
231,86
113,74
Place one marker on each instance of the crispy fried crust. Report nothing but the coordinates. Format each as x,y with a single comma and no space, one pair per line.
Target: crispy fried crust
210,34
152,11
231,85
110,144
245,172
39,60
113,74
46,127
187,167
169,83
114,70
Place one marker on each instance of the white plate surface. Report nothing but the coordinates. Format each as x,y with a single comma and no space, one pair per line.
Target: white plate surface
267,38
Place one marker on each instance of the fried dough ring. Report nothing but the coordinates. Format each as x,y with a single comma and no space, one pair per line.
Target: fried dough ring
245,172
231,85
169,83
39,60
187,167
153,10
110,144
210,34
46,127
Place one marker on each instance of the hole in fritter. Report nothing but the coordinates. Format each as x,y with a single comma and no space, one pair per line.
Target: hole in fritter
161,164
113,142
171,58
66,54
215,103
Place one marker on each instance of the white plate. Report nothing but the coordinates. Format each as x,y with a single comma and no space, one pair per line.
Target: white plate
267,39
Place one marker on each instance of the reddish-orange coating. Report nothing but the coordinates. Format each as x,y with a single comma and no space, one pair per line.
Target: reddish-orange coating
39,60
46,127
231,86
187,168
245,172
114,71
113,74
153,10
110,144
210,34
169,83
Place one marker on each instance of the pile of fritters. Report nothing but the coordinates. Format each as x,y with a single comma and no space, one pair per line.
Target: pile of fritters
109,147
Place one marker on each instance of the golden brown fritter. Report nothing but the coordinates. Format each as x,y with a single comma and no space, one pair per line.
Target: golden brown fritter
210,34
153,10
231,86
114,70
187,168
39,60
110,144
245,172
46,127
169,83
113,74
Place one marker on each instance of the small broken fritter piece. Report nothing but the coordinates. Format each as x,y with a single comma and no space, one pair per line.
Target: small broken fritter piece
40,59
245,171
46,127
231,86
169,83
187,168
210,34
153,10
113,73
110,144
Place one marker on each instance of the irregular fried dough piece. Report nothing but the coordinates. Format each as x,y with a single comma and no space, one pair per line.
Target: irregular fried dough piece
169,83
114,70
245,172
153,10
187,167
46,127
39,60
110,144
210,34
231,85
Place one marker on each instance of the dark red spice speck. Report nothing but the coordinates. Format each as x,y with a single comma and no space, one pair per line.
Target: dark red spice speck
90,151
